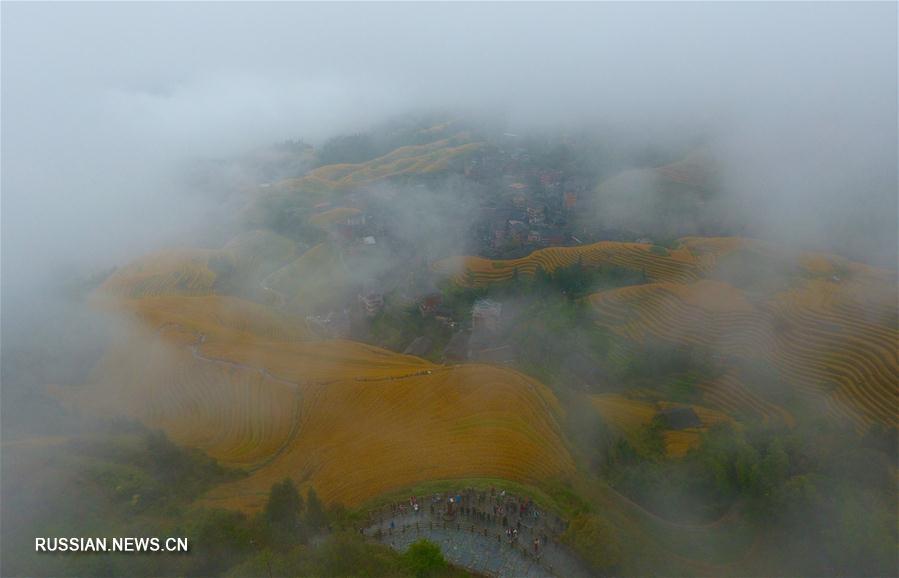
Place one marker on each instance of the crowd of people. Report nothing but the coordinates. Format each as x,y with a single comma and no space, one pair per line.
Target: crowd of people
513,520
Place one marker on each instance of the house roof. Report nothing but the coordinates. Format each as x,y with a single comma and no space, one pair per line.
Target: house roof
680,417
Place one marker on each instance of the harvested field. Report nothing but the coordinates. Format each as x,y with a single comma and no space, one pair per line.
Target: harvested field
827,326
630,416
814,336
408,160
182,272
248,257
350,419
677,265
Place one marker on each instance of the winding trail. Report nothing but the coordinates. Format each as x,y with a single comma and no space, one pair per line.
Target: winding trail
282,300
266,374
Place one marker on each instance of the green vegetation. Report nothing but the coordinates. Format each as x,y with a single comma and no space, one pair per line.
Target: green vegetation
550,323
781,482
423,558
352,148
400,322
123,480
595,541
650,363
283,510
117,479
345,554
288,215
812,500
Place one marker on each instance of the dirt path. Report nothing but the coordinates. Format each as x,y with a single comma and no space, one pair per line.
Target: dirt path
297,387
281,299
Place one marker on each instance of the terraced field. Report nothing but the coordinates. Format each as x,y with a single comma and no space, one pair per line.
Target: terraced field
261,249
731,396
350,419
363,436
311,278
164,386
631,416
842,359
825,325
676,265
245,258
834,340
702,313
422,159
247,384
334,215
627,415
261,265
182,272
227,317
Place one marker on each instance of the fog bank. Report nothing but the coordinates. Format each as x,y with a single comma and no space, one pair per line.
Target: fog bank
103,102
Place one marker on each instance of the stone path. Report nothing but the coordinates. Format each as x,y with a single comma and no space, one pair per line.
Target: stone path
464,543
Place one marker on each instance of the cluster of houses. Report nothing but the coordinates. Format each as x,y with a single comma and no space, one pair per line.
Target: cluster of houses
479,342
527,205
531,205
431,305
358,228
507,227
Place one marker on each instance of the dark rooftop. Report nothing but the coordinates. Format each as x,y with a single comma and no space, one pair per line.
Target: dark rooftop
680,417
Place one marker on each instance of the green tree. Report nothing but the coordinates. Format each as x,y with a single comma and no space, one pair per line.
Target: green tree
316,518
220,539
423,558
542,279
352,148
284,506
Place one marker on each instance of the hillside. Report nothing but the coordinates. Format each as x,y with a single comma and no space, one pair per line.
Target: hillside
238,267
626,387
657,263
314,279
186,272
421,159
825,326
631,416
349,419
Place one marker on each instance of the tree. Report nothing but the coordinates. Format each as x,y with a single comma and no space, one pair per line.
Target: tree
316,518
284,506
542,279
424,558
220,539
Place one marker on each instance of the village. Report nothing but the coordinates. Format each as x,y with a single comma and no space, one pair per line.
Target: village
526,198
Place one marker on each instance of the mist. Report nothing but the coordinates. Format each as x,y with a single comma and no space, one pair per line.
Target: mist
130,128
102,102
